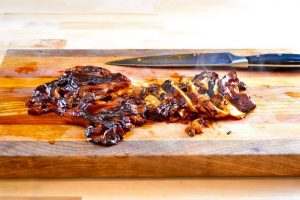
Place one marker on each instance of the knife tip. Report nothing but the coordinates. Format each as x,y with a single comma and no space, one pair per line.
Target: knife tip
119,63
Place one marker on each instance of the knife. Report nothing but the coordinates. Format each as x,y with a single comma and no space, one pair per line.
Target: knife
224,59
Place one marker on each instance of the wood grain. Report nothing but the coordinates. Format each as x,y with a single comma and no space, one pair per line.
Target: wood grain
265,143
38,198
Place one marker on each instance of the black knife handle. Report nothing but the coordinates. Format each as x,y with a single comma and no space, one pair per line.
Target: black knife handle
274,59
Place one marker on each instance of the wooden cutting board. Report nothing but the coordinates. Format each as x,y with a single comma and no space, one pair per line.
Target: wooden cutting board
265,143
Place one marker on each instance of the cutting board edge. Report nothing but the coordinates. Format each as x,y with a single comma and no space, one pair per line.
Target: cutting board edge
129,160
146,167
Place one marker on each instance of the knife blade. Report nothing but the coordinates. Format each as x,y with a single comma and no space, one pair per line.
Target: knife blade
213,60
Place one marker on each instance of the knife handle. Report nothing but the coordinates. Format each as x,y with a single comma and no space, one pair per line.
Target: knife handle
273,60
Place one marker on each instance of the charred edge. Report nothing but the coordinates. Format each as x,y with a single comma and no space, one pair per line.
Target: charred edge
109,106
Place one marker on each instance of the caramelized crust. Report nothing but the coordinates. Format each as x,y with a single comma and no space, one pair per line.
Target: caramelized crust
109,106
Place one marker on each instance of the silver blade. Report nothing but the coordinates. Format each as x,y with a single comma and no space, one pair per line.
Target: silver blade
185,60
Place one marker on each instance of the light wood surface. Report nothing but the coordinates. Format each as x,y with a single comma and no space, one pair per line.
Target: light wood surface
152,24
265,143
186,189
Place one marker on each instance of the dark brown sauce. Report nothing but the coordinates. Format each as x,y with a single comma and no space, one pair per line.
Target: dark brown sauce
51,142
293,94
27,68
25,119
